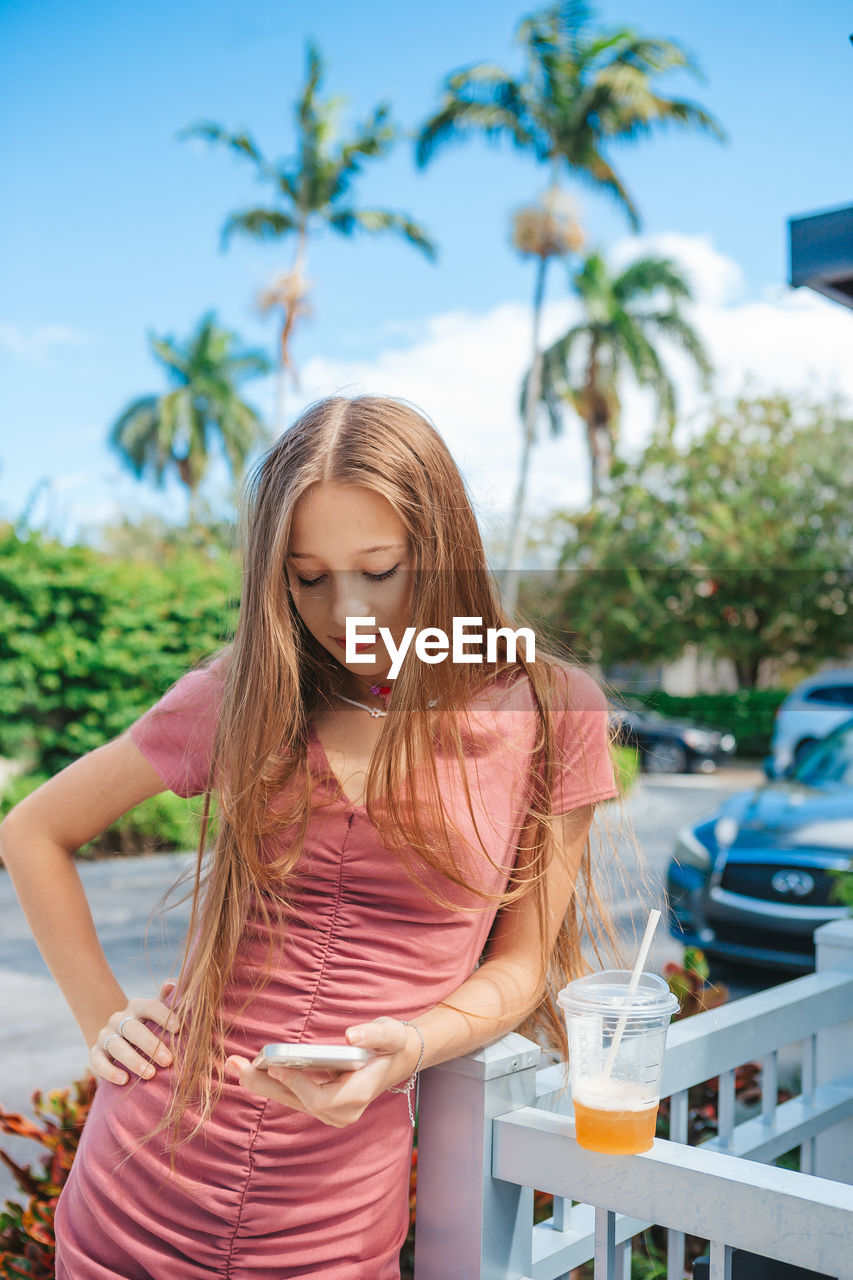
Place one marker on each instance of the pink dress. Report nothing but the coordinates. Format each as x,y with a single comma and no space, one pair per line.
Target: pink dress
266,1192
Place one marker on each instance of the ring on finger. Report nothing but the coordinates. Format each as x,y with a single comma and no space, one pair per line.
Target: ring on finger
129,1018
115,1036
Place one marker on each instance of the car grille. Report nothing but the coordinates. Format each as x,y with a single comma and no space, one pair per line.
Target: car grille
765,940
754,880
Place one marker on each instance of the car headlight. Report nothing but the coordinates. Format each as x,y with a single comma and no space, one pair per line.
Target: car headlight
699,740
690,850
725,830
727,742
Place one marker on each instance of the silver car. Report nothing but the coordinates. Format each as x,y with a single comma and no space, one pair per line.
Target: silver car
810,711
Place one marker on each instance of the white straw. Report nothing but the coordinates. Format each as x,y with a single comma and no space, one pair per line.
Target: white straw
654,916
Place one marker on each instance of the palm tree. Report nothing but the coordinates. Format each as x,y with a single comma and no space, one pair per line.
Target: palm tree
311,189
157,434
289,291
581,90
623,315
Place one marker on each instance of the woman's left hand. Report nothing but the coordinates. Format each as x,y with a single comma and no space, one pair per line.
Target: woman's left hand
339,1099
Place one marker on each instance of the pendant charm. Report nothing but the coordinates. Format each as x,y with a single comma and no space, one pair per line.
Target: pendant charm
383,691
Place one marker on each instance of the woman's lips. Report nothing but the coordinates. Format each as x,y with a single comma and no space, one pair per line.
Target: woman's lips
360,644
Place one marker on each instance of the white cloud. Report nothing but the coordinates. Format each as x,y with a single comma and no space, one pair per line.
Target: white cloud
466,371
394,328
40,341
789,340
804,342
715,279
465,375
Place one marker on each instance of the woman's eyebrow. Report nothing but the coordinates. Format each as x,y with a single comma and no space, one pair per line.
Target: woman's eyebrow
366,551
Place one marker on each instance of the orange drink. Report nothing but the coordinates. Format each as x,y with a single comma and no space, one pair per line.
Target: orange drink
615,1116
616,1023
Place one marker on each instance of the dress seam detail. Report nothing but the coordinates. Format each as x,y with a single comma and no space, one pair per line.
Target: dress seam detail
249,1153
332,923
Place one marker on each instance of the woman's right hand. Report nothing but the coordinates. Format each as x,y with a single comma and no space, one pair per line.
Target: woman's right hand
136,1044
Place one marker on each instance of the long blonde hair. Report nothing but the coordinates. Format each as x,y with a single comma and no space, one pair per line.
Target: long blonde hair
276,677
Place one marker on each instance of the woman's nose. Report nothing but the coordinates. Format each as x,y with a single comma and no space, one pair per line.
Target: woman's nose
348,599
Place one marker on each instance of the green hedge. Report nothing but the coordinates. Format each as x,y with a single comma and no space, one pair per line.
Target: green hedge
627,766
164,823
748,714
88,641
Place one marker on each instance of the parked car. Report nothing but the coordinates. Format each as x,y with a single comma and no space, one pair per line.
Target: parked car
810,711
666,744
753,880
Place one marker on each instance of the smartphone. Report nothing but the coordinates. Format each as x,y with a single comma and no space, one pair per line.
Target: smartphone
334,1057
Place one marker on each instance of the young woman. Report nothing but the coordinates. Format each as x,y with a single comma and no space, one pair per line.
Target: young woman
397,870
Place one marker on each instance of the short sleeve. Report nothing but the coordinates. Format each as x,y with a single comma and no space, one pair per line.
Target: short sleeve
583,772
176,734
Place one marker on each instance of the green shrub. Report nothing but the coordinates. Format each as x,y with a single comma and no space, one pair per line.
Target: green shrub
17,788
90,641
748,714
165,822
627,766
842,889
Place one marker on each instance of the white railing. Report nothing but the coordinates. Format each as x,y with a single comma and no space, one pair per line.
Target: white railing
494,1125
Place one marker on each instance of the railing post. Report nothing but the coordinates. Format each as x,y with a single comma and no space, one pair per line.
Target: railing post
469,1225
833,1157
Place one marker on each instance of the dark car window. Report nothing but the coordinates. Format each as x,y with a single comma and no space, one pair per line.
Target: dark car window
831,760
834,695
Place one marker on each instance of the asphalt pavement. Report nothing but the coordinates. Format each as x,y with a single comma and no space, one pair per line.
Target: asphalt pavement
42,1047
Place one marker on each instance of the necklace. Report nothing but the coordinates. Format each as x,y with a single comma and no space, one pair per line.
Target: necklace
385,691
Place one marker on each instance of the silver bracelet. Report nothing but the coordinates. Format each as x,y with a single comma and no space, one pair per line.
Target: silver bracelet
410,1083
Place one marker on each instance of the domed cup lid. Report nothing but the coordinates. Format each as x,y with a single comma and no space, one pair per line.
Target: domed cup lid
607,992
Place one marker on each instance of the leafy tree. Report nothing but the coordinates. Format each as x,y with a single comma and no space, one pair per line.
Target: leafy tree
153,539
623,315
738,543
312,189
156,434
88,642
581,90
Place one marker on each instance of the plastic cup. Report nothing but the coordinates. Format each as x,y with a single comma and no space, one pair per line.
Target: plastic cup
616,1094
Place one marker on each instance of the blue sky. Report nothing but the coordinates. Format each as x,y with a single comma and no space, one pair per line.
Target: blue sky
110,226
